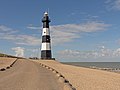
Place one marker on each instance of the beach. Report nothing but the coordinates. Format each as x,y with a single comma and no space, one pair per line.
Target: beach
85,78
26,74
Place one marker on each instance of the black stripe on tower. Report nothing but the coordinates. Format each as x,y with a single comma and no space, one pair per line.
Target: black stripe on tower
45,21
46,54
46,38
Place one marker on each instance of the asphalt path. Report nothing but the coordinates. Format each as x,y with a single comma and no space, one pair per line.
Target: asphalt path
28,75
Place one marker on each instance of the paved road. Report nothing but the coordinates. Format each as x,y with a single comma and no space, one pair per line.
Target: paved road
28,75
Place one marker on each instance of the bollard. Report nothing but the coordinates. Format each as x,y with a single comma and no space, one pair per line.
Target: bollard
61,79
51,69
67,86
54,71
58,75
7,67
2,69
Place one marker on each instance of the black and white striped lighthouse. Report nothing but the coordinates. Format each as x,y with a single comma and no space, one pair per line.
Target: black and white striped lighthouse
46,43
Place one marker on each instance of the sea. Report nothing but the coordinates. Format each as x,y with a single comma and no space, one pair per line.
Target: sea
107,66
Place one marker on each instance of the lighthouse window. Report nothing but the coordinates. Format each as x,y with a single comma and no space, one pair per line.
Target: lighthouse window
44,32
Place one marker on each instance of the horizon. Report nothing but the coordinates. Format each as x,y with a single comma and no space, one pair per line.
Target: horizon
83,31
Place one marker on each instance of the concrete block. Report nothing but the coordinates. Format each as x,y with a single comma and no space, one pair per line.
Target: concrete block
61,79
7,67
58,75
54,71
68,86
2,69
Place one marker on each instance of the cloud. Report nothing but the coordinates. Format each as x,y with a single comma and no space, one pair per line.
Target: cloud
85,27
60,33
116,52
76,54
19,51
113,4
100,53
7,30
27,40
12,35
33,50
33,27
4,28
69,32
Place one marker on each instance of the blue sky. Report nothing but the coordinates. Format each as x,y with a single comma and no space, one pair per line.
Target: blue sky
81,30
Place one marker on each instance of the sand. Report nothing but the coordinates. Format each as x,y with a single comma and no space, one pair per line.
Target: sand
85,78
28,75
4,62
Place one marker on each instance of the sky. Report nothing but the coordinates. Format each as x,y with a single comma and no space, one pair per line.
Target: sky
81,30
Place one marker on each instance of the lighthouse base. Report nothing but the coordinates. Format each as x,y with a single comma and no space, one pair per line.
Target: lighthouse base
47,58
46,55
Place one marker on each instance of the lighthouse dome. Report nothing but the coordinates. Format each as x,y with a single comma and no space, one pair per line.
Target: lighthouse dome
46,13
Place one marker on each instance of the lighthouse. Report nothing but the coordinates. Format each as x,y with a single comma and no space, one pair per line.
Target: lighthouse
46,41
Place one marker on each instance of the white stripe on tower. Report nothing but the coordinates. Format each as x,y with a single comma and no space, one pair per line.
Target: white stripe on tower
46,45
45,31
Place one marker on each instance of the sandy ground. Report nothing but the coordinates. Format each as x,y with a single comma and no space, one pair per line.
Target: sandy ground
4,62
28,75
85,78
